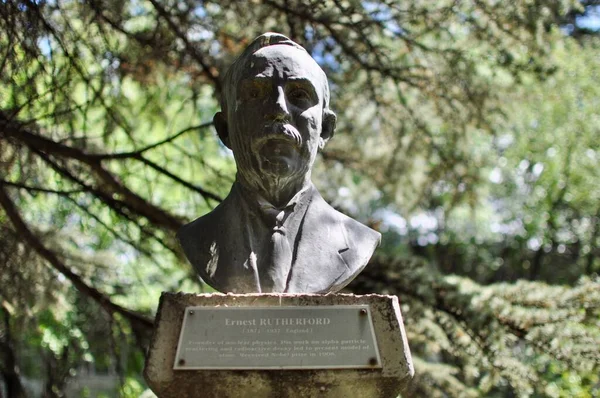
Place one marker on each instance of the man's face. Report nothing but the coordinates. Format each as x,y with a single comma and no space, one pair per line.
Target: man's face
275,117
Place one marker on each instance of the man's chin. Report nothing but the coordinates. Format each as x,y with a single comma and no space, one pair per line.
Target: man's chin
280,166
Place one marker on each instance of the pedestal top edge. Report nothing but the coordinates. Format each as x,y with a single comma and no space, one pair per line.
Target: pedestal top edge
278,295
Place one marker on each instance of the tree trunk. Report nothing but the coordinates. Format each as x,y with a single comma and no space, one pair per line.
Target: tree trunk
10,369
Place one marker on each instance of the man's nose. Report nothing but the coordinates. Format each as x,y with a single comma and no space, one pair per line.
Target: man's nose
279,109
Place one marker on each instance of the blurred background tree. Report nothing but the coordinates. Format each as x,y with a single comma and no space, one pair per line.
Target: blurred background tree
467,135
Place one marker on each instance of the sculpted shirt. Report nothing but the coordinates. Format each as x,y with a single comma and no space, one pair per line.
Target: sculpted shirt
272,237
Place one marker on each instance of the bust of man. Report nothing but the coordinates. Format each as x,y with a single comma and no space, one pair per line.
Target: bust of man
274,232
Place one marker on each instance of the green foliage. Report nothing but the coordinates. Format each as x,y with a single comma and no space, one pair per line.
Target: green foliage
466,133
132,388
525,338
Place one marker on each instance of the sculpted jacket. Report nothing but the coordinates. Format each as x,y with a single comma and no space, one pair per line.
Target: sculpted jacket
330,247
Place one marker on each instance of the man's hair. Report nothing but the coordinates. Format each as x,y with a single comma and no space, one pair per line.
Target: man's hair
267,39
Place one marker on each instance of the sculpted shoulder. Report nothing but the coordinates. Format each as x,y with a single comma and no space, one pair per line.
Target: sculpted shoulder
203,238
362,242
202,227
363,238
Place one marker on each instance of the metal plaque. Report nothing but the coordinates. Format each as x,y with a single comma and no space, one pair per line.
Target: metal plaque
302,337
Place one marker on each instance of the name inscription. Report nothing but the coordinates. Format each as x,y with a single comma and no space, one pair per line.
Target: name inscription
303,337
277,321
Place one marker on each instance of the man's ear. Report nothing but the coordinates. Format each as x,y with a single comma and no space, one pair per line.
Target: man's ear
220,122
328,127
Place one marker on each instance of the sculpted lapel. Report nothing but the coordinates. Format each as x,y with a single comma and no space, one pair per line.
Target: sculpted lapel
336,248
319,248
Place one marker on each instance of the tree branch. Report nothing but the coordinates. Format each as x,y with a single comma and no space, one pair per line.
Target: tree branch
32,241
9,368
134,154
40,189
193,51
12,129
118,206
186,184
134,201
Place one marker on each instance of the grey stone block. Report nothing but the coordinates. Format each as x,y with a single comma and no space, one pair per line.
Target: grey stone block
385,382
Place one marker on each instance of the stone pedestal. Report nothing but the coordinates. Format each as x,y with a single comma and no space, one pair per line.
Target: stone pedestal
385,381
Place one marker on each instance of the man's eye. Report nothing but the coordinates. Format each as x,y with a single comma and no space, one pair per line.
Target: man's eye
299,94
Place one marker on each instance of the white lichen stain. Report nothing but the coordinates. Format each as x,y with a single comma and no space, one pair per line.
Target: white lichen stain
211,266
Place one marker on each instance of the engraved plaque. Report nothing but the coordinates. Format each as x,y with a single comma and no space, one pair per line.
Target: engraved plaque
300,337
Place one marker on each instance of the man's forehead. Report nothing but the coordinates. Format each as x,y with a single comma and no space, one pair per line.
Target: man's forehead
283,61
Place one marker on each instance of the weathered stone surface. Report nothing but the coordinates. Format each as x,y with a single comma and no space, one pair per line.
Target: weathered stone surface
385,382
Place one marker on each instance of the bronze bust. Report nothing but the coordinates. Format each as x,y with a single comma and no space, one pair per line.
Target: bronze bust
274,232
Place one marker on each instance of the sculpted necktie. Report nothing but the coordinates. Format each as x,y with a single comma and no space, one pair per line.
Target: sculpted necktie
280,251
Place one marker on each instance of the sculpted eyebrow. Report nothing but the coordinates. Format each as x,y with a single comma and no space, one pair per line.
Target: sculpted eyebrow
255,80
303,83
299,81
265,82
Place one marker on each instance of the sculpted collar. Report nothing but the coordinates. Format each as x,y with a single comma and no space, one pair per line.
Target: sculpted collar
270,213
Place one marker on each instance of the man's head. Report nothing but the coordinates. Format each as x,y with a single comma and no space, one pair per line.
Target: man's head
275,112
